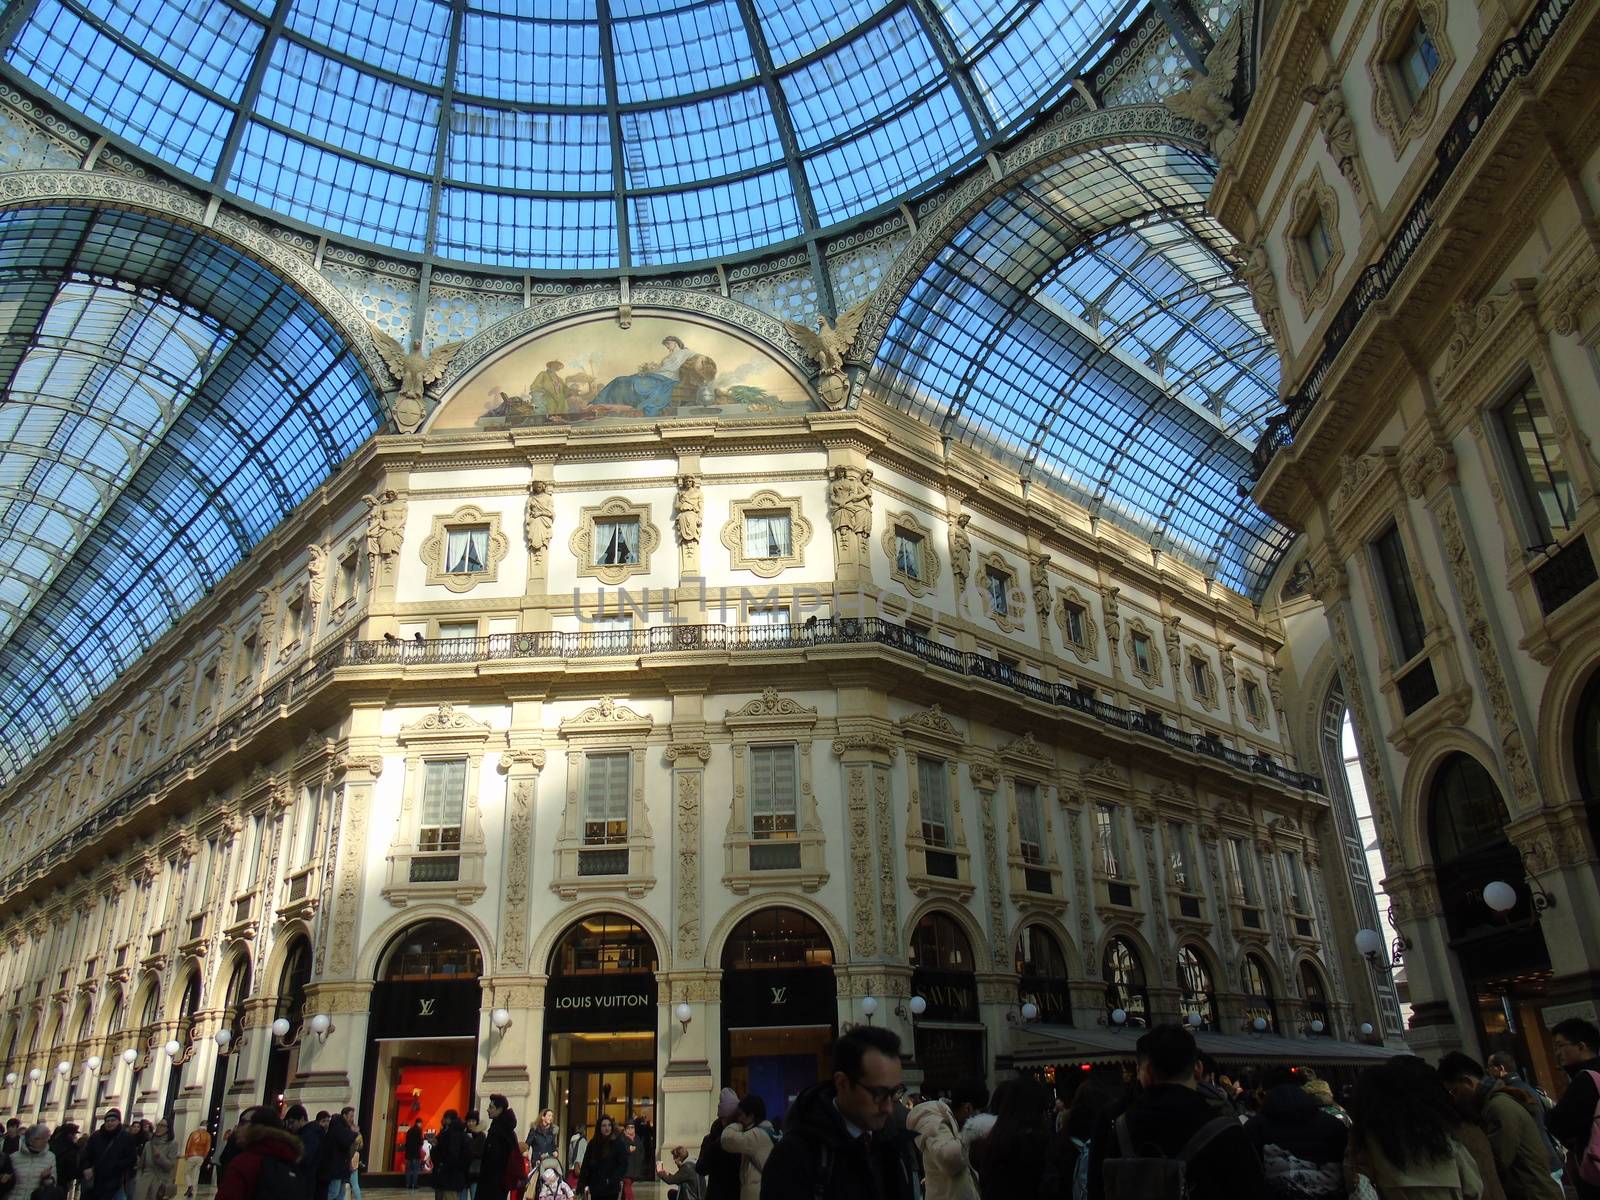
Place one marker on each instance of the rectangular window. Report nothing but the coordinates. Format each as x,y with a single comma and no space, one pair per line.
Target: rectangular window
1318,241
1077,629
345,587
766,535
1200,676
773,788
457,630
616,543
1141,654
1536,453
997,584
1180,858
1241,872
311,820
1417,61
1252,699
908,553
205,691
1395,573
1030,828
444,795
252,855
933,788
466,551
612,633
1294,881
605,799
771,618
1108,840
246,664
294,625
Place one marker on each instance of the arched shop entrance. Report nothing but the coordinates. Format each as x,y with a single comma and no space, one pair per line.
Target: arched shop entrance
1586,752
779,1007
291,1007
233,1022
600,1013
1042,974
1502,956
949,1037
422,1035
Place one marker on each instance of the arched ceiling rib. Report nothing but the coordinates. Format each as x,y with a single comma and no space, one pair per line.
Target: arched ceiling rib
167,402
1087,326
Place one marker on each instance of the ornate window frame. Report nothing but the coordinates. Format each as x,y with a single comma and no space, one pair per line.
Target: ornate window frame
1151,678
932,734
442,735
1089,649
1016,599
582,541
733,535
347,579
1400,119
1313,198
1207,699
1025,761
772,719
438,539
605,726
1249,679
929,579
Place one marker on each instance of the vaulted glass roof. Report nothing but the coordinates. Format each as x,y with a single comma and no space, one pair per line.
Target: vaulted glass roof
562,134
1087,327
168,403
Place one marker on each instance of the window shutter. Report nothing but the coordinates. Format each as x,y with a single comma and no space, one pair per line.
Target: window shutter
443,790
761,780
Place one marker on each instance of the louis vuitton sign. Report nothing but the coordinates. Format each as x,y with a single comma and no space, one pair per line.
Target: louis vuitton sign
597,1003
773,998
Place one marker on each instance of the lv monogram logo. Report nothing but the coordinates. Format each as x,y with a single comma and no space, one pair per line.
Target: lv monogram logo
780,995
426,1007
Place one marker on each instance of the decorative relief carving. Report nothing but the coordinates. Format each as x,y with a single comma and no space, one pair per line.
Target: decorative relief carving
827,345
1338,131
1086,644
688,792
1108,604
386,524
1208,100
960,554
413,372
607,714
991,866
539,519
1314,203
850,510
861,902
1039,579
1003,599
1401,118
769,703
519,849
1431,464
1574,300
688,509
887,864
1255,272
1146,667
932,720
1469,322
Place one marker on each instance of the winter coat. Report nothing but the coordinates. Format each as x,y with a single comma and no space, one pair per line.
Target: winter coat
1572,1119
1022,1171
719,1166
157,1163
257,1143
754,1146
605,1165
111,1156
1453,1178
66,1152
1301,1146
686,1179
1521,1158
450,1154
337,1146
30,1169
818,1156
944,1158
414,1142
1163,1119
311,1136
499,1145
541,1142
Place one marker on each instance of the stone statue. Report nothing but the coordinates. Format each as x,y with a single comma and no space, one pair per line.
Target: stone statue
850,504
1338,131
413,372
1039,576
386,523
316,568
541,516
827,345
960,551
1208,100
1255,270
687,509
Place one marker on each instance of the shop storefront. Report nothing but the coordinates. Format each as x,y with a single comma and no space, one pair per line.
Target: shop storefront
422,1042
601,1005
950,1045
1042,975
779,1007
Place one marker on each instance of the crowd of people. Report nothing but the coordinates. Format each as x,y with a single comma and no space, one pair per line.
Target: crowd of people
1174,1128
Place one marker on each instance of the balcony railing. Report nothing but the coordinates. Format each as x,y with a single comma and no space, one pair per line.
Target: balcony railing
1515,59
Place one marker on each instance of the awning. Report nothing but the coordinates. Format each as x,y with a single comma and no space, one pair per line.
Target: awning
1061,1043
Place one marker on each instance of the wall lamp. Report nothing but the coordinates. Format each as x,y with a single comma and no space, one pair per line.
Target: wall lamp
227,1043
1121,1018
916,1008
1256,1025
130,1056
1369,944
869,1006
683,1014
320,1024
1023,1013
1314,1027
1501,897
500,1018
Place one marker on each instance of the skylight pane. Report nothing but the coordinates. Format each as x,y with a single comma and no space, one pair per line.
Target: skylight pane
203,41
859,83
794,28
529,150
531,59
713,221
882,163
679,50
723,135
409,40
528,232
1038,56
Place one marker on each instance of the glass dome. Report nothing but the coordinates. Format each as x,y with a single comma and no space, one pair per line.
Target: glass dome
562,135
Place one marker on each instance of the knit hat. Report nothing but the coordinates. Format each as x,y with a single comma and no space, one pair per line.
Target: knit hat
727,1104
1320,1089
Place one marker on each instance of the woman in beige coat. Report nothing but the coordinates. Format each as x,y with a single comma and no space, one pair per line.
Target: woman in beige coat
944,1157
158,1163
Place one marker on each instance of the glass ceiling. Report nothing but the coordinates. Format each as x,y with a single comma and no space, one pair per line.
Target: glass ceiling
1086,327
169,403
562,134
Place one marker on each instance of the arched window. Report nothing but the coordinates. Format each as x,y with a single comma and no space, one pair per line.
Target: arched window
1041,968
1467,815
1258,998
432,950
1197,990
777,937
603,944
1314,995
1586,748
939,944
1125,983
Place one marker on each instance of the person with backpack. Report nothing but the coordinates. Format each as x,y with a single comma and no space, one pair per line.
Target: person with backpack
845,1138
1521,1157
107,1159
1169,1142
720,1167
949,1174
1099,1095
1301,1146
752,1137
1572,1120
1013,1159
267,1164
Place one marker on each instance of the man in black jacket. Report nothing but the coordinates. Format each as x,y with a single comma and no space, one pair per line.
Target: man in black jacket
108,1158
499,1144
1571,1121
333,1164
1167,1112
846,1139
1301,1147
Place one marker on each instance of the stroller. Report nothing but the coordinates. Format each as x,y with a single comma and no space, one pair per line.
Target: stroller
548,1184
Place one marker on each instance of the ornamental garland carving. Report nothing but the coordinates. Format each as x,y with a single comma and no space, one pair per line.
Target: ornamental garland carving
886,863
920,574
446,721
514,900
991,865
765,502
863,926
933,721
688,795
769,703
605,716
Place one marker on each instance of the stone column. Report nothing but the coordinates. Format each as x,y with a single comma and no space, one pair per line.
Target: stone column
521,764
508,1059
865,757
339,930
1557,857
1441,1005
985,779
331,1068
687,1054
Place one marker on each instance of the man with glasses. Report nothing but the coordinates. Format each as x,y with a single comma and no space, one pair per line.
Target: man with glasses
1577,1046
846,1139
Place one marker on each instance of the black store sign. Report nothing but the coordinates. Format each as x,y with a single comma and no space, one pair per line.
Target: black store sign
772,999
432,1008
949,1056
1055,1005
600,1004
951,995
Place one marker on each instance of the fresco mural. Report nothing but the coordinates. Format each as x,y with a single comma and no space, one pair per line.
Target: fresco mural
660,367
